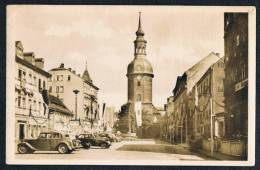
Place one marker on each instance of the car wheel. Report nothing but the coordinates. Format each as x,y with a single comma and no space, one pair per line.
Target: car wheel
86,145
23,149
63,148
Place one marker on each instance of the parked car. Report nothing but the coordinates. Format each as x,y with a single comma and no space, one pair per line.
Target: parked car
48,141
88,140
111,137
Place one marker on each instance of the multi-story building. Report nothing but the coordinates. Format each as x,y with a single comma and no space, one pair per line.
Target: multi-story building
31,106
183,98
79,94
236,81
210,102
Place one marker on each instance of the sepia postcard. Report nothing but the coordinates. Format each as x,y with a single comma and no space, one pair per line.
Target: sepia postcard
130,85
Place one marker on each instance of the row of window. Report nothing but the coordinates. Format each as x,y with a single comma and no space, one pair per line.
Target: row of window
31,79
21,102
60,78
203,88
239,74
59,89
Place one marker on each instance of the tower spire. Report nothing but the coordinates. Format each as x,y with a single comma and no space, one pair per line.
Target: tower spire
139,25
139,31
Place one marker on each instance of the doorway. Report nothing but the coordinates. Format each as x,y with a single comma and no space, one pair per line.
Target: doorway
21,131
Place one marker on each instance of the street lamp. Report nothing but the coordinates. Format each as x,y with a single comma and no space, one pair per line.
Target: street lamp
76,92
91,118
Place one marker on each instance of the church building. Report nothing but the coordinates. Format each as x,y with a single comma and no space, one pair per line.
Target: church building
140,80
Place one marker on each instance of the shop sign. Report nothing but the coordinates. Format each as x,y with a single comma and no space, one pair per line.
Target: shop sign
241,85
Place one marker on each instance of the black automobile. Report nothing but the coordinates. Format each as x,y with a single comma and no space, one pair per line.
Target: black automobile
48,141
111,137
88,140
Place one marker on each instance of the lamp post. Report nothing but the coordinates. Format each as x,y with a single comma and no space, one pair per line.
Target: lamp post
76,93
91,118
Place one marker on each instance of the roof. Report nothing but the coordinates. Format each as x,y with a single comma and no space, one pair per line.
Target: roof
86,75
140,65
57,105
199,69
31,66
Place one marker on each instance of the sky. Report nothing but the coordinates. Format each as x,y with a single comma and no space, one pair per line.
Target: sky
102,37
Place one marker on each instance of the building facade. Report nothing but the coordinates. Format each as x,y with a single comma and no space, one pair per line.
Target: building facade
236,82
79,94
210,96
184,100
31,83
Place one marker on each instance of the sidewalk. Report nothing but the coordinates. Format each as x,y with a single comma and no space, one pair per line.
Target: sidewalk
206,154
219,156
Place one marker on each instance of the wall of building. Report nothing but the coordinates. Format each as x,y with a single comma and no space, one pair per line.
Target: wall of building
29,104
236,81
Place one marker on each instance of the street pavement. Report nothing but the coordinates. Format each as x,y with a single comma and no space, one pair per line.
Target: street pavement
96,153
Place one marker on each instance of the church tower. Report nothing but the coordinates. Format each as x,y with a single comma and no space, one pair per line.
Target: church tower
140,77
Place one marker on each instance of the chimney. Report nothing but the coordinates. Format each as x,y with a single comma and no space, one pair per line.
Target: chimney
73,71
217,54
62,65
29,57
69,69
39,62
19,49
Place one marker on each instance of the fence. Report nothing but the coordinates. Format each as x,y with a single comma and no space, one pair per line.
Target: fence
235,148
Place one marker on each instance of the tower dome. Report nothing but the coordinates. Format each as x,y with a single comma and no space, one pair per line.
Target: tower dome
140,66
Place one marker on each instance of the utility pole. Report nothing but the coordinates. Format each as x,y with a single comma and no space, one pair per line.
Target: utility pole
76,92
211,128
211,115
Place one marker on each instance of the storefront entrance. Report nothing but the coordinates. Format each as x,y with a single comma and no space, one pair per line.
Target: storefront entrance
21,131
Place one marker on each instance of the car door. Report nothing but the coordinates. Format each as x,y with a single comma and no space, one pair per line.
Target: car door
43,141
55,139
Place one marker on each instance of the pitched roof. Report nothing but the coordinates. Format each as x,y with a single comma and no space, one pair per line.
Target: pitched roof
199,69
31,66
57,105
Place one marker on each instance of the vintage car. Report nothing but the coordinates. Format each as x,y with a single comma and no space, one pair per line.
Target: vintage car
48,141
111,137
89,139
